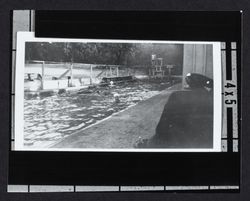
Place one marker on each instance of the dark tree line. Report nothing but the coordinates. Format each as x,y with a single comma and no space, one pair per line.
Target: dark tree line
129,54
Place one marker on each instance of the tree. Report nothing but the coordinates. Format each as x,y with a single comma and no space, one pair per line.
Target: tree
129,54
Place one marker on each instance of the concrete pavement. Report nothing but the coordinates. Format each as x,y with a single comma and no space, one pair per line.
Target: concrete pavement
123,129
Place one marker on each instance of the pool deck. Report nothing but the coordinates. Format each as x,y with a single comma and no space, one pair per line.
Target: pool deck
123,129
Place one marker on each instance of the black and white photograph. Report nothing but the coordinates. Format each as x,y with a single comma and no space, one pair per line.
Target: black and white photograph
117,95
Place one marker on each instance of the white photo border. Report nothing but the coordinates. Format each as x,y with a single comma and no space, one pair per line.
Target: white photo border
23,37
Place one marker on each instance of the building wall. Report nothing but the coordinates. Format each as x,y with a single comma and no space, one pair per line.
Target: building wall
197,58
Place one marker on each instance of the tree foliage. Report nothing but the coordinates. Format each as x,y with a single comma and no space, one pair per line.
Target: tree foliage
129,54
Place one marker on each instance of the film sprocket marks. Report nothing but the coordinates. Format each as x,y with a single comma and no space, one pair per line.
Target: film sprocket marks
118,95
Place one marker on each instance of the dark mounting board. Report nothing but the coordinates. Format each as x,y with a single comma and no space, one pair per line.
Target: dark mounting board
84,168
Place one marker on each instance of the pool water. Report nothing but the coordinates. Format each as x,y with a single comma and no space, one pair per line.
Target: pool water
54,117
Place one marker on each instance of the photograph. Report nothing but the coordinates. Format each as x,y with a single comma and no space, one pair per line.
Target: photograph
117,95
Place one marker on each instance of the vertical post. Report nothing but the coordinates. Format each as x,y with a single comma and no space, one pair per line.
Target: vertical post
169,74
71,74
91,74
117,71
42,75
110,71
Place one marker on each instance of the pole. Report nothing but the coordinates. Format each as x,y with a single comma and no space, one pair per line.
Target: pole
71,74
90,74
117,71
169,72
42,75
110,71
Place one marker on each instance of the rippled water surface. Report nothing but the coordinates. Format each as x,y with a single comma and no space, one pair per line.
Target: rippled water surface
50,118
